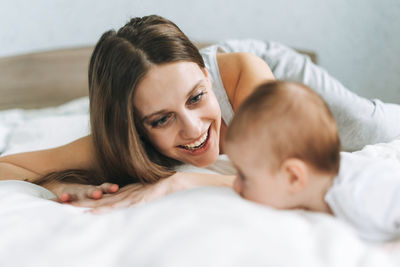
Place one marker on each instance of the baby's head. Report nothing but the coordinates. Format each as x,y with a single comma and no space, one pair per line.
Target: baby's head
283,134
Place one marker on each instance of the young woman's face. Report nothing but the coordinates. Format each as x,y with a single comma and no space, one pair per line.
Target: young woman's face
180,112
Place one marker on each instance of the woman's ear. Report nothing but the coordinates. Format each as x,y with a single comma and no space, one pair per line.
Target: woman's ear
296,174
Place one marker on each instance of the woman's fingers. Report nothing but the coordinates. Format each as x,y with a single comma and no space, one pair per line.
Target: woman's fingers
125,197
109,188
94,193
68,197
91,192
65,197
78,193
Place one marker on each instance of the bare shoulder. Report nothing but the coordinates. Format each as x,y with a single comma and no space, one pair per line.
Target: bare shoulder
241,73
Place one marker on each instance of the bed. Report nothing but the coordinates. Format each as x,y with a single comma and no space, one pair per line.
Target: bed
208,226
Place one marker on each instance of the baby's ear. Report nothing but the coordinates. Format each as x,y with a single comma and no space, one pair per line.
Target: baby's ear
296,174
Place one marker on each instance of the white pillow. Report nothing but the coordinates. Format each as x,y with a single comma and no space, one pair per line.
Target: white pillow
15,186
28,130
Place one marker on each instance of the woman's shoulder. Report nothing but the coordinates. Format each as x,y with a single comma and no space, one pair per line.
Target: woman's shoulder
241,73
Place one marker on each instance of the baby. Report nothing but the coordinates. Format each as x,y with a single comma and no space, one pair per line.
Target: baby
285,146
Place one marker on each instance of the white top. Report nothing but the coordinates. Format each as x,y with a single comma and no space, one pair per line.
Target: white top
366,194
210,60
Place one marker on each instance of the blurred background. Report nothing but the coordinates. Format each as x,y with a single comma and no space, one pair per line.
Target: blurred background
356,41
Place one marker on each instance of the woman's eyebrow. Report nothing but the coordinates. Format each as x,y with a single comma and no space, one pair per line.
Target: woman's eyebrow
164,110
153,114
195,87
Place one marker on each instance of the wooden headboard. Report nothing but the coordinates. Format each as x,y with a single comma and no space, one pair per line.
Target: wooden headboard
49,78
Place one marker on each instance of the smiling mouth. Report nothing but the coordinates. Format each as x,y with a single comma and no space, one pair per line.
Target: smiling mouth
199,144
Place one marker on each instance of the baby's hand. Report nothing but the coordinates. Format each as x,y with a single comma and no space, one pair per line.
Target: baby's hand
74,192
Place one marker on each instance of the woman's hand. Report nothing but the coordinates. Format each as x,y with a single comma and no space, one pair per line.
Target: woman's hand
129,195
67,193
134,194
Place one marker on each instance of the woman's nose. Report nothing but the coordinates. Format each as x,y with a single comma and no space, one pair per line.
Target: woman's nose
191,126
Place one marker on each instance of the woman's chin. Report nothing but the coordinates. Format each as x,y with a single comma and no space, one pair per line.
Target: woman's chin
204,156
206,161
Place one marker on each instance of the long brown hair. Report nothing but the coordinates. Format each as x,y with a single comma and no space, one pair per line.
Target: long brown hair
118,63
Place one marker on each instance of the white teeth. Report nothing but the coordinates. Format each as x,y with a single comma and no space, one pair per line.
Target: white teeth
197,143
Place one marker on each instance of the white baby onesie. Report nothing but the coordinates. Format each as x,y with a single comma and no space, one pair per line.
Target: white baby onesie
366,194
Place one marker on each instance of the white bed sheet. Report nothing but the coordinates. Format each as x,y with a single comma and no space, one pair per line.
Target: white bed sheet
202,227
208,226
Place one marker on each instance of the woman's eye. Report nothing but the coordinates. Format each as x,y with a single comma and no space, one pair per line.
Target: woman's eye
196,98
161,122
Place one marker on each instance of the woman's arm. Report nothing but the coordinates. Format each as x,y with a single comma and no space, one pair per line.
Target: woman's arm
9,171
30,166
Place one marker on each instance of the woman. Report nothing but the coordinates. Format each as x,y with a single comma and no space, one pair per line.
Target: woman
153,106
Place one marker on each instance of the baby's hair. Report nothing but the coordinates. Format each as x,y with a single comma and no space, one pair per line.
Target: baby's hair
288,120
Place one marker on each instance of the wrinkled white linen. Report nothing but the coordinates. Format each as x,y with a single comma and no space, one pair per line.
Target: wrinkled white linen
207,226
